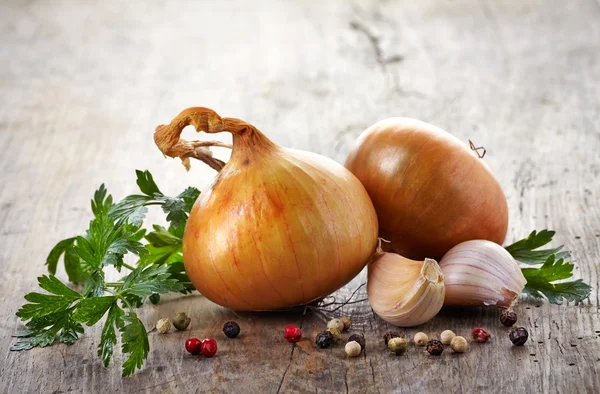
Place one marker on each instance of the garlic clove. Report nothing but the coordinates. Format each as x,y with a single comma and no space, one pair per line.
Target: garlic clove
481,273
405,292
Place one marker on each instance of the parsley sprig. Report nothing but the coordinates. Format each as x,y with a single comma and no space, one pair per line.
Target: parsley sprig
115,231
548,280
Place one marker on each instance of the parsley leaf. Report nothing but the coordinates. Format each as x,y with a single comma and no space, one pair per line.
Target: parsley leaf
108,338
177,208
548,280
56,252
134,340
49,314
525,249
142,282
540,282
164,247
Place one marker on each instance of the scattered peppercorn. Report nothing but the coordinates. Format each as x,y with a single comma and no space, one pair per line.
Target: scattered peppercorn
389,335
193,345
163,325
154,298
508,317
209,347
292,334
397,345
446,337
347,322
480,335
435,347
459,344
421,339
181,321
337,335
336,323
231,329
324,339
353,349
360,338
518,336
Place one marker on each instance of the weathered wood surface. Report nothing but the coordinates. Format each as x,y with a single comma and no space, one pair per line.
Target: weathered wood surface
84,83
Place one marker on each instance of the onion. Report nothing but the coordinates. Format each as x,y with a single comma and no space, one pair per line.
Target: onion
429,190
277,227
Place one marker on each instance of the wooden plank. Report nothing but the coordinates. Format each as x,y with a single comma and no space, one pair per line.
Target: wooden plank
84,84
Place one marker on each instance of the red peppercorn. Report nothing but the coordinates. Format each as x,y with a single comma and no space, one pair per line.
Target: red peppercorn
209,347
292,334
480,335
193,345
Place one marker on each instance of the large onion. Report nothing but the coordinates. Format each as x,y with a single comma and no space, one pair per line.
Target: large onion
277,227
429,190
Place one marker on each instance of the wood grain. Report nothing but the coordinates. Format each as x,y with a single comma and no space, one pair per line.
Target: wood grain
85,83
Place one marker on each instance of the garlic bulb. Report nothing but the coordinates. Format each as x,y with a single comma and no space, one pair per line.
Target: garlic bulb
405,292
481,273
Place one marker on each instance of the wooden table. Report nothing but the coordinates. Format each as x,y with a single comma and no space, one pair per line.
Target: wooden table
85,83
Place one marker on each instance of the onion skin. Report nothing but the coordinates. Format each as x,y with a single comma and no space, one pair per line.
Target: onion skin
481,273
430,191
277,227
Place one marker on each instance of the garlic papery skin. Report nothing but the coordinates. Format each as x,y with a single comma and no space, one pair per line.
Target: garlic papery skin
405,292
481,273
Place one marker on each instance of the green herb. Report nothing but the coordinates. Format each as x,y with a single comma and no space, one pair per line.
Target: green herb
525,249
548,280
114,232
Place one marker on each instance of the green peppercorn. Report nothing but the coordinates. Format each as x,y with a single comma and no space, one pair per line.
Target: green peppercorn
181,321
154,298
397,345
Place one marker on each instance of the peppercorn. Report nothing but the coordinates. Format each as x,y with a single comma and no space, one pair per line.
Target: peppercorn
337,335
231,329
324,339
181,321
193,345
360,338
446,337
209,347
480,335
154,298
435,347
336,323
459,344
163,325
518,336
421,339
347,322
389,335
508,317
397,345
353,349
292,334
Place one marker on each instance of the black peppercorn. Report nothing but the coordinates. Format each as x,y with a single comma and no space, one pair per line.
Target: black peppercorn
360,338
231,329
389,335
508,317
518,336
154,298
324,339
435,347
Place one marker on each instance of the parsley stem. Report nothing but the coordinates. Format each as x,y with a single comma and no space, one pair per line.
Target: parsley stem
128,266
113,284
